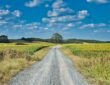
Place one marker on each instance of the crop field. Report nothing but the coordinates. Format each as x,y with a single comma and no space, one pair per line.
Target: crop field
14,57
92,60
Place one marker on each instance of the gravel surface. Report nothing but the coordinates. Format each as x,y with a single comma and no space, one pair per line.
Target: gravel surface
54,69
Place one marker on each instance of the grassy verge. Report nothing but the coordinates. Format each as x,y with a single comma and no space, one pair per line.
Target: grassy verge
15,58
94,65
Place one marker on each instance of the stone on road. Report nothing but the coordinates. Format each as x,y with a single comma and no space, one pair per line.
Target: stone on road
54,69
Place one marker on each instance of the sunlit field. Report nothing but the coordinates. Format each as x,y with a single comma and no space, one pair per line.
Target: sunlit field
23,47
92,60
16,56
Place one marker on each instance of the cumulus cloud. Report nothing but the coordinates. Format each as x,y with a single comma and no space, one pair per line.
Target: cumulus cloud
17,26
59,19
31,25
69,26
3,22
4,12
99,1
61,13
54,17
101,30
92,25
34,3
8,18
58,4
82,14
17,13
59,7
52,13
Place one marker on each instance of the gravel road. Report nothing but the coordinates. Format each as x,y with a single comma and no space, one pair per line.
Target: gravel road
54,69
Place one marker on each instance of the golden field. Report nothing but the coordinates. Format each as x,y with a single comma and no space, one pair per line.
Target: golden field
92,60
14,57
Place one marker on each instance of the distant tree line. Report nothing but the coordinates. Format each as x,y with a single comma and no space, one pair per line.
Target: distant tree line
4,39
56,38
84,41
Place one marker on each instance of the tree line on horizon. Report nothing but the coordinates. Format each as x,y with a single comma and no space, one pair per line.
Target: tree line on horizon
56,38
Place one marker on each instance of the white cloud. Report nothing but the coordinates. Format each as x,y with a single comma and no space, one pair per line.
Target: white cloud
2,22
30,26
59,19
18,26
102,31
99,1
70,25
59,7
4,12
34,3
62,16
101,24
16,13
60,11
92,25
52,13
58,4
65,10
54,17
82,14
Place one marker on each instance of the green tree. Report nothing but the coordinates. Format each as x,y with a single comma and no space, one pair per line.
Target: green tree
57,38
4,38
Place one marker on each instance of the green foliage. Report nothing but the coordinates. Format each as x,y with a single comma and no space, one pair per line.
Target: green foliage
4,38
57,38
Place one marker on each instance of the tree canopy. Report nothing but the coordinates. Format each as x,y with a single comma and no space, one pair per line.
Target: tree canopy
57,38
4,38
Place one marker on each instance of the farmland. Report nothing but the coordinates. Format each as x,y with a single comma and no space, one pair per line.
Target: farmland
92,60
14,57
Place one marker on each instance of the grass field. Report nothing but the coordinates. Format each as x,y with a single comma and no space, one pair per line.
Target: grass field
14,57
92,60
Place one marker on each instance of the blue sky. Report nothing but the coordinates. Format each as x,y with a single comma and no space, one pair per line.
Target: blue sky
82,19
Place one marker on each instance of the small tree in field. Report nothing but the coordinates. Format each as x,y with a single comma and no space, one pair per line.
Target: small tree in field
4,39
57,38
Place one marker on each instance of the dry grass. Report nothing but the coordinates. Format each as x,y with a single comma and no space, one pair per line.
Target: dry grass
10,67
95,69
14,60
39,55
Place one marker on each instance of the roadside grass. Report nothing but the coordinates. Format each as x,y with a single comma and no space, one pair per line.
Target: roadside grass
14,58
92,60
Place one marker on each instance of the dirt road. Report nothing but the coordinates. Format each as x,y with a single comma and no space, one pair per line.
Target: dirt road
54,69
